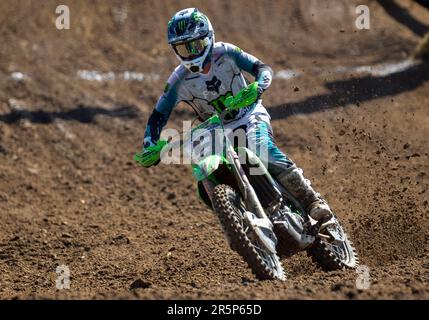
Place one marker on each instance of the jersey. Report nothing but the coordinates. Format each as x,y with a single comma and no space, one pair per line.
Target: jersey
206,93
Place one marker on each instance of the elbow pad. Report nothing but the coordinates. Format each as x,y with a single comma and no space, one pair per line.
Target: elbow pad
263,74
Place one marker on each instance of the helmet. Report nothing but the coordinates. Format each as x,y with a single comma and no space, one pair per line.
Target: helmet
191,35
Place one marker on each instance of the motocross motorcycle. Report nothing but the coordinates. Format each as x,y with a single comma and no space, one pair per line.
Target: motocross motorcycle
261,220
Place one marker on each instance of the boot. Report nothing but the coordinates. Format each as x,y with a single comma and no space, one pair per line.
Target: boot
294,181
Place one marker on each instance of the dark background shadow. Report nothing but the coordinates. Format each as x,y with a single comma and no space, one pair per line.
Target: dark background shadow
355,91
401,15
81,113
423,3
342,93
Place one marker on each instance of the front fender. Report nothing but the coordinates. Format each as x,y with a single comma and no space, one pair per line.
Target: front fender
207,166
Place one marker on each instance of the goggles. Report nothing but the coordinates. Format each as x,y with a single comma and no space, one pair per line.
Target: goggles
192,49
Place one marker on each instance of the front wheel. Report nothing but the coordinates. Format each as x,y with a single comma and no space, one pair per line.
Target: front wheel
230,210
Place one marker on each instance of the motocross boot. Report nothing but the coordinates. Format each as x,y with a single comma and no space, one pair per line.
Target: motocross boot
294,181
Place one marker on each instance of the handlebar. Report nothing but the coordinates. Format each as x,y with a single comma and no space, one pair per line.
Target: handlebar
244,98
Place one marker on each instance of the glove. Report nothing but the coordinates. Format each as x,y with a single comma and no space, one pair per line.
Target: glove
245,97
151,154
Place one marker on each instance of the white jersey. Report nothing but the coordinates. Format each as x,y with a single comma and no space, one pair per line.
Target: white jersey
206,93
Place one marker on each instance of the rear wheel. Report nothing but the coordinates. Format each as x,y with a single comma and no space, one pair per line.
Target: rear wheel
334,255
230,210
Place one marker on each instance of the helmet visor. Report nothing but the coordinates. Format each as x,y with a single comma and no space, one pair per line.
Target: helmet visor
192,49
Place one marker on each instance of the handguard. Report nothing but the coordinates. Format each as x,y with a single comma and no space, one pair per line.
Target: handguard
245,97
151,155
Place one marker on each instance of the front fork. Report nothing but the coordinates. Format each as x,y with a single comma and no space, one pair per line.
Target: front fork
248,192
251,199
255,216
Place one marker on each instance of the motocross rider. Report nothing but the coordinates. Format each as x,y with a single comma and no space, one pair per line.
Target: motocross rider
208,72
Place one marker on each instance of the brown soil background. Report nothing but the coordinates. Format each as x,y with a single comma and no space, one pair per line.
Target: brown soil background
71,194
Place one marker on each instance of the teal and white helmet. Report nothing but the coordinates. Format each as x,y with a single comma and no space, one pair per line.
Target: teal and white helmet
191,35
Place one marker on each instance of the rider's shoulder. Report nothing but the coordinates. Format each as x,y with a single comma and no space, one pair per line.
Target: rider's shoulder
225,48
177,75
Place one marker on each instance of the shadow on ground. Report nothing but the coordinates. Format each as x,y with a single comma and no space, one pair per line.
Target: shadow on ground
81,113
355,91
402,16
424,3
342,93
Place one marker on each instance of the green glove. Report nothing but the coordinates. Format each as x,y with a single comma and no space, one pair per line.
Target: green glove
245,97
150,156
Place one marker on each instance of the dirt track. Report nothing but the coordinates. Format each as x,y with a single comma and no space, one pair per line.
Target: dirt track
71,194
